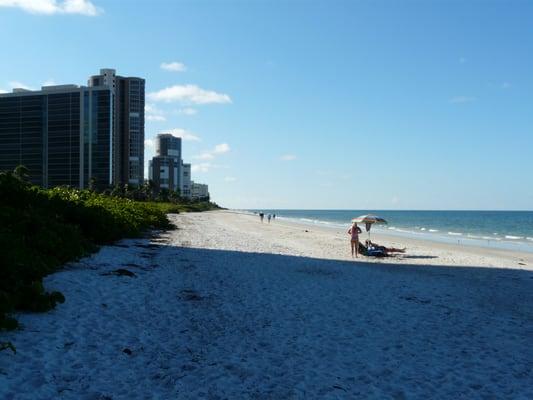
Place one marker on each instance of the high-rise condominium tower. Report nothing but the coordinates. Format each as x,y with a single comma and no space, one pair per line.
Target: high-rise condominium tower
62,134
74,135
166,166
128,124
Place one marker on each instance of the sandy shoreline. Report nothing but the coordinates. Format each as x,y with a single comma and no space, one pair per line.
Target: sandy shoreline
418,251
224,307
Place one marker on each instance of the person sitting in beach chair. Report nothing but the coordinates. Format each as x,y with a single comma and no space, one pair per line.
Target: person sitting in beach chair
376,250
371,251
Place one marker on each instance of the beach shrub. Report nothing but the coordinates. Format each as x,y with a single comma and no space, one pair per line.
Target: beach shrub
42,229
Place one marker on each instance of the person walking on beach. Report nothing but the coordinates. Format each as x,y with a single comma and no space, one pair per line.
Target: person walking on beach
261,216
354,232
268,218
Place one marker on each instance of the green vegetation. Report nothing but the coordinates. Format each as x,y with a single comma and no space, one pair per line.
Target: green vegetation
42,229
176,208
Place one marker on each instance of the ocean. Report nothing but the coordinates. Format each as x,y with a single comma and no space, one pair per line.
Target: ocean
512,230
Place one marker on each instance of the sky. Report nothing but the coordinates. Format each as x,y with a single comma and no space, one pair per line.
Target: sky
310,104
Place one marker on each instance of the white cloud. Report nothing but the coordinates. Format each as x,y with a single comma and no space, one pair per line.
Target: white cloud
462,99
50,7
230,179
288,157
149,143
174,66
19,85
152,113
221,148
189,94
187,111
505,85
48,82
157,118
3,91
204,156
218,149
201,167
183,134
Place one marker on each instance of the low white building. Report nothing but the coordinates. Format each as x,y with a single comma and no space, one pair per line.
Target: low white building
199,191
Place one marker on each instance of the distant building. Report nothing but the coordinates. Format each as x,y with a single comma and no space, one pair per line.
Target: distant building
185,188
199,191
74,135
128,137
166,169
62,134
164,172
168,145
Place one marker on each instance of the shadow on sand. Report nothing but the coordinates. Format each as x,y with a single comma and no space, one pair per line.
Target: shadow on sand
314,328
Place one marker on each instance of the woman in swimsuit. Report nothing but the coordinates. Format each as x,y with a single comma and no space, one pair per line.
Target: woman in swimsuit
354,231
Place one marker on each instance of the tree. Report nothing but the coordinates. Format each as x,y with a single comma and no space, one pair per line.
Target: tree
92,184
21,172
163,195
148,188
174,196
117,191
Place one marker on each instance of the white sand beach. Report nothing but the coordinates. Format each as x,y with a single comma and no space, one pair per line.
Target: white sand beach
225,307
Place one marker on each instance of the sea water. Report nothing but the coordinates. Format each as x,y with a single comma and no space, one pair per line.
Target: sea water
511,230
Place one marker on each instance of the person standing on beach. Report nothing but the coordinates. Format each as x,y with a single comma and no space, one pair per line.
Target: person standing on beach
268,218
261,216
354,232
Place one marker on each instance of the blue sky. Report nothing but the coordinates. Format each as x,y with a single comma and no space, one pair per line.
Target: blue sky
300,104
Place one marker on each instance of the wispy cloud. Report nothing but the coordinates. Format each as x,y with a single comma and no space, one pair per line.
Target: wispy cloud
48,82
462,60
156,118
221,148
187,111
288,157
19,85
152,113
51,7
505,85
462,99
184,134
202,167
211,154
189,94
174,66
150,143
230,179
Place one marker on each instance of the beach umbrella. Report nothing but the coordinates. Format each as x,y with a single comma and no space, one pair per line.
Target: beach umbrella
368,220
